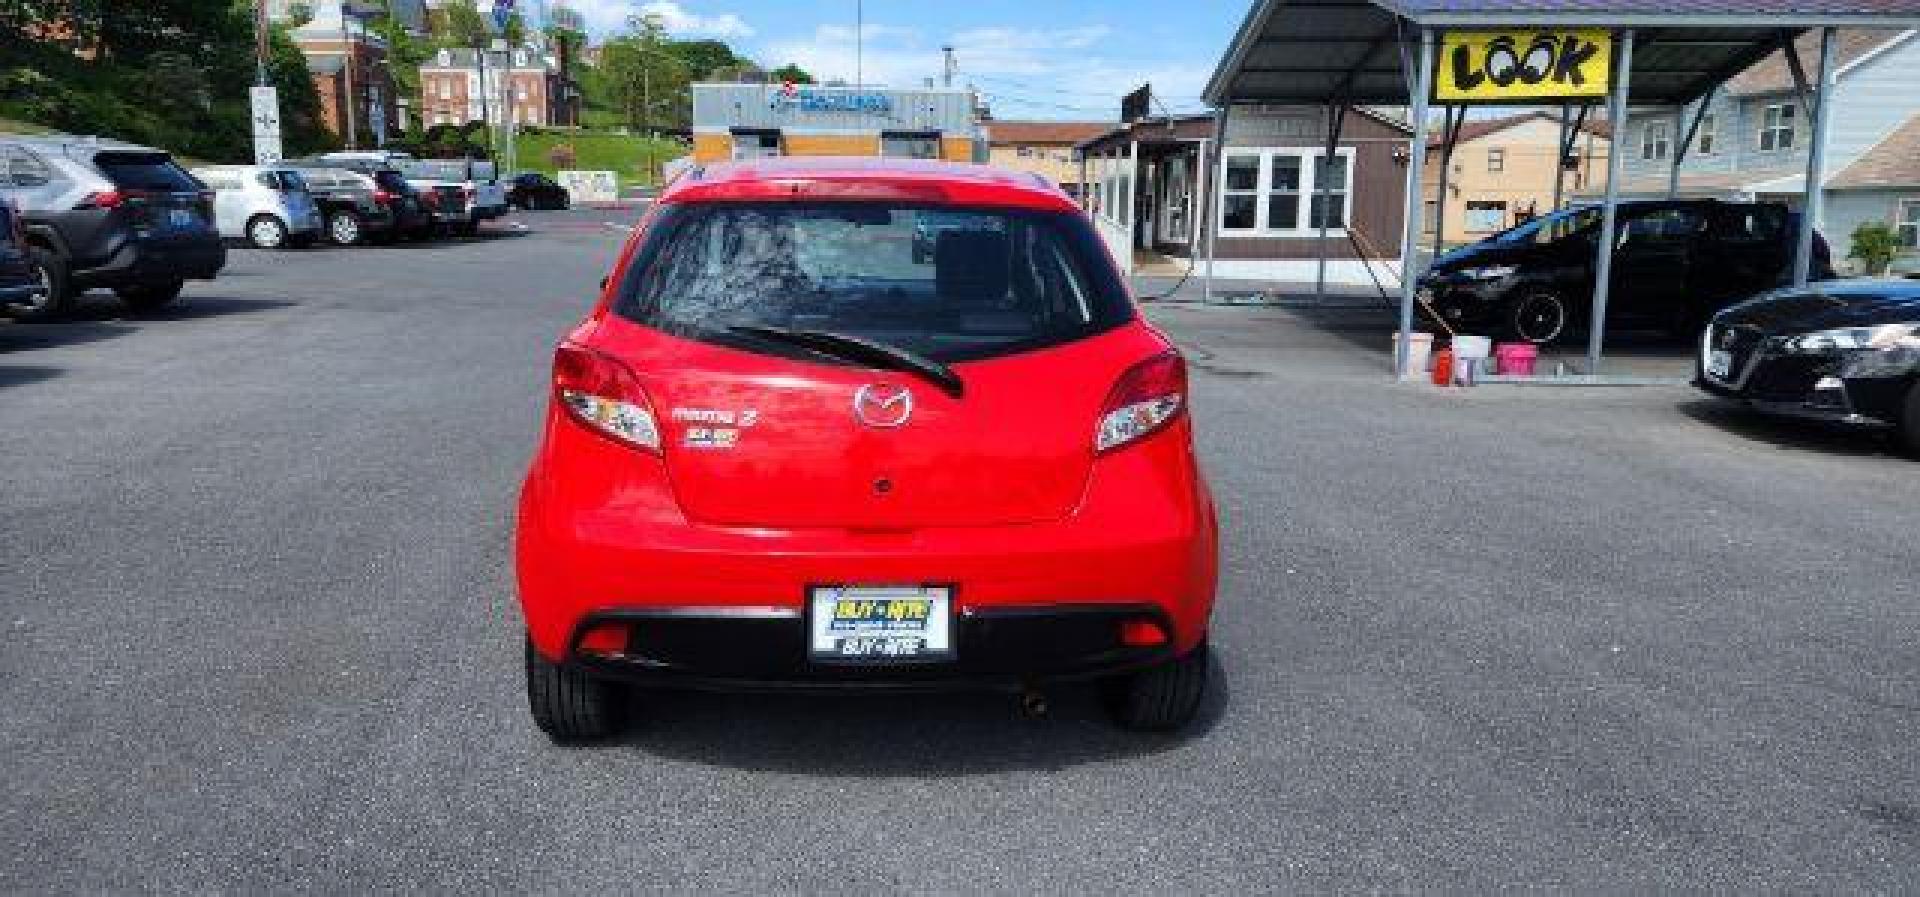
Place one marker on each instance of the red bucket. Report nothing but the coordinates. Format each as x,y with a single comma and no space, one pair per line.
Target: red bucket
1516,359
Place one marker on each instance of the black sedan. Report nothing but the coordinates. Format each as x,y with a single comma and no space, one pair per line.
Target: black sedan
1841,351
537,191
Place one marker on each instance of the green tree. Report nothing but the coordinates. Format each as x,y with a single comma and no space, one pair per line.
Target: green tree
464,27
792,72
1875,244
646,83
515,30
703,57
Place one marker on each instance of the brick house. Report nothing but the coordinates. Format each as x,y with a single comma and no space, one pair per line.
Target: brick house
522,86
330,49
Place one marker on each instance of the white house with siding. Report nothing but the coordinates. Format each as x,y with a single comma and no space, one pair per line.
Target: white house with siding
1752,143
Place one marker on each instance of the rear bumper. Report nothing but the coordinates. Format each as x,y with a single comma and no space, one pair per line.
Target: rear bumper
149,261
602,535
765,649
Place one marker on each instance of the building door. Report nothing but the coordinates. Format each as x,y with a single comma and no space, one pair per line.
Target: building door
1176,201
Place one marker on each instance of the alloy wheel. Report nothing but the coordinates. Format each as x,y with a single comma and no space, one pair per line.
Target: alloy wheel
346,229
266,233
1540,318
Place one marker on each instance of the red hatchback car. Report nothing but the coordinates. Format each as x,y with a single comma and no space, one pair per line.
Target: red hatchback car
860,423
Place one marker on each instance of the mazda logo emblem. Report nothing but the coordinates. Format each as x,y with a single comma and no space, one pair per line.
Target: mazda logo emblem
883,406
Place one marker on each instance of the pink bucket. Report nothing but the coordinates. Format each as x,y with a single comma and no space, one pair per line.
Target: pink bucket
1516,359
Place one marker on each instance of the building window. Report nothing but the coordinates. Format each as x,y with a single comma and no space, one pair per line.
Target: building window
1656,139
1486,216
1703,138
1776,127
909,145
446,88
1241,208
1273,191
1025,152
1496,159
1329,199
1430,218
755,144
1909,225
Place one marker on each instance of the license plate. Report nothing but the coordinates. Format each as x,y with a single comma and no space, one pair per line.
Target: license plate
1720,363
880,623
182,218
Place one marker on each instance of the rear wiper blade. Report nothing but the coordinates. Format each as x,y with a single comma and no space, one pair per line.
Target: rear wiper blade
867,352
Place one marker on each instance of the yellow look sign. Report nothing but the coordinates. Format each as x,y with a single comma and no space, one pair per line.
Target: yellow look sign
1495,66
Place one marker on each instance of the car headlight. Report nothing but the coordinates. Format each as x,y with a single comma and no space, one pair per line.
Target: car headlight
1885,336
1489,272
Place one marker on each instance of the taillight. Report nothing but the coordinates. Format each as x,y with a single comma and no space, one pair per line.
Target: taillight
430,199
382,197
1147,397
103,199
604,395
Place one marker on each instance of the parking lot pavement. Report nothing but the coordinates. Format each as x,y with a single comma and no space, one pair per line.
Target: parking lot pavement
257,632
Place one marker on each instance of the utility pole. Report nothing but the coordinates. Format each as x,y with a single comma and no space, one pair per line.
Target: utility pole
948,52
346,74
859,42
480,59
260,42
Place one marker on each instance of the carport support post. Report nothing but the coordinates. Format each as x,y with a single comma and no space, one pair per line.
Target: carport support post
1336,116
1560,156
1609,217
1410,230
1810,208
1210,202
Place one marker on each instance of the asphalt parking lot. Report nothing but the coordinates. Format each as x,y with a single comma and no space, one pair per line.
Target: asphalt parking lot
257,632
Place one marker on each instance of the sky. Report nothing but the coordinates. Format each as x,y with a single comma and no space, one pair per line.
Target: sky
1042,59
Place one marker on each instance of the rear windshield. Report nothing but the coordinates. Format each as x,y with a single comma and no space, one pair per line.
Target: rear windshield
950,284
391,181
153,172
287,181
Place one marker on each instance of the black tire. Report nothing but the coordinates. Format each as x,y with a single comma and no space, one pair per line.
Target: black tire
1909,435
563,203
1160,698
344,228
150,296
59,293
1538,317
569,705
266,232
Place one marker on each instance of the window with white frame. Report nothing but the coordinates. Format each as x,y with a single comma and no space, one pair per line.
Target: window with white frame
1705,134
445,86
1276,192
1656,139
1909,224
1776,127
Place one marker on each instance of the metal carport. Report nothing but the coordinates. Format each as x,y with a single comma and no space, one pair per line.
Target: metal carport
1666,52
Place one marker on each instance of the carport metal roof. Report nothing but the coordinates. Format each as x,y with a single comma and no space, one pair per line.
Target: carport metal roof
1307,51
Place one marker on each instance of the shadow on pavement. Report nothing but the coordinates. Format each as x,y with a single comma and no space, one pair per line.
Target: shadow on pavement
17,375
928,735
101,307
1789,434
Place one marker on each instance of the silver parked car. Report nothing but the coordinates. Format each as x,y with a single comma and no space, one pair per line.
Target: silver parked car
270,208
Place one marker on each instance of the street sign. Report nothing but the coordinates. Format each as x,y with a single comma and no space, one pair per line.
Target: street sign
502,11
1524,65
266,125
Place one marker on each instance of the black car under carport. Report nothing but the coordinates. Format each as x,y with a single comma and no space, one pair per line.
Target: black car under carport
1677,262
1842,351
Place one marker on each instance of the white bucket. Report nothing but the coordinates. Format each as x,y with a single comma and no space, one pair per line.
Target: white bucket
1419,350
1472,346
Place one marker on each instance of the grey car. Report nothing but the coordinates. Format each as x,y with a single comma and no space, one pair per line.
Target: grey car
102,213
269,207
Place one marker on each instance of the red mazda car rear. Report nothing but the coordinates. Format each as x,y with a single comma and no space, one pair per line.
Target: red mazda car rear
865,424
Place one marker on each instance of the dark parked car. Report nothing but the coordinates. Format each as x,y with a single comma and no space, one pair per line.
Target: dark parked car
407,210
101,213
533,190
1846,351
1677,263
19,279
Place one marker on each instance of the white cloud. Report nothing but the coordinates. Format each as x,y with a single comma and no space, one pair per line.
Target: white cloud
608,17
1077,72
681,23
